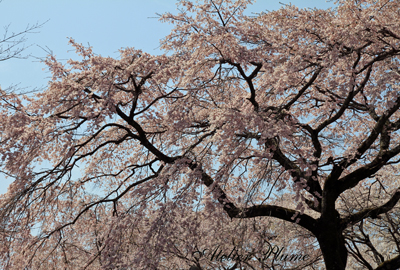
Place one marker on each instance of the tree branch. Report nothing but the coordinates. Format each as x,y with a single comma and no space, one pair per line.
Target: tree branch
372,212
230,208
390,264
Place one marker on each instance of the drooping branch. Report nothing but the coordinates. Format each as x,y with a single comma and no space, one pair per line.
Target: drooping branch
353,178
381,127
279,212
346,102
303,89
312,186
372,212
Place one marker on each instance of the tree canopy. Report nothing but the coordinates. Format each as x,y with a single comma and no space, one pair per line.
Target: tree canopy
255,142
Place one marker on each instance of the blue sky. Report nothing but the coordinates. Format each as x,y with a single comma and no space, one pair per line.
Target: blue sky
104,24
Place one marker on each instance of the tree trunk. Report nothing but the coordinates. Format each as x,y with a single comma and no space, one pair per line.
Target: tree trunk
332,244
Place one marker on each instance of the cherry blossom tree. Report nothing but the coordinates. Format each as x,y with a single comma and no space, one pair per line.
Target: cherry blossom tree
249,133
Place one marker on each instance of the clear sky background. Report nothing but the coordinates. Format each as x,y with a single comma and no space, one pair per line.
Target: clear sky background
107,25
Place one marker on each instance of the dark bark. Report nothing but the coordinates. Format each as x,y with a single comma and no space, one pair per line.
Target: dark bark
332,244
390,264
